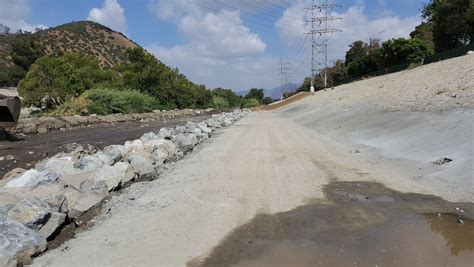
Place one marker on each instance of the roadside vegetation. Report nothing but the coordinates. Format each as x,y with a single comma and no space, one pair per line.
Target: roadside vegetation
77,84
448,24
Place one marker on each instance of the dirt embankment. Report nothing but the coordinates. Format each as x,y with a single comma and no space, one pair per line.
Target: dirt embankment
42,125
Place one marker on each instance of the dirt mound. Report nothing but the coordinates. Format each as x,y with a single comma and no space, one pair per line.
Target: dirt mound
284,102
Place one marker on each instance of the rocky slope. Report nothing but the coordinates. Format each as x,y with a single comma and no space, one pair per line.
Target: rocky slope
59,190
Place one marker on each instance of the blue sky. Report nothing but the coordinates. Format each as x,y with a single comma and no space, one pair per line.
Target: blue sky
231,43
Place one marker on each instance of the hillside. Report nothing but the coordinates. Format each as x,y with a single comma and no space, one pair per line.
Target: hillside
91,38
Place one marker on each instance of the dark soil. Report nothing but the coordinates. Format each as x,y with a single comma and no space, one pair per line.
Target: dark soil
360,224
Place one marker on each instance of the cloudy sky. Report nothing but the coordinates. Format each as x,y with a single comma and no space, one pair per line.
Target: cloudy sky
236,44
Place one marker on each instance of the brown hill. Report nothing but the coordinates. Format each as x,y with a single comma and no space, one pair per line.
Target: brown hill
88,37
91,38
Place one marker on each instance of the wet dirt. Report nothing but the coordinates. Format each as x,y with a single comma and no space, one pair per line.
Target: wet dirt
359,224
29,150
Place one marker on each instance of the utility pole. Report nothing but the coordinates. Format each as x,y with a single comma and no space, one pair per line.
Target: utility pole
284,72
320,30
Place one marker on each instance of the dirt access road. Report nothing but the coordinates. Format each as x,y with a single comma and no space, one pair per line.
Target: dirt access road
31,149
269,192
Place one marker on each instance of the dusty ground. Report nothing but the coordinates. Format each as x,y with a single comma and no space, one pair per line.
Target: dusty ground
356,176
263,165
30,149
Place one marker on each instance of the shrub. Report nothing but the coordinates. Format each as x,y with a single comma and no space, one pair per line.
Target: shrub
53,80
106,101
103,101
220,102
251,103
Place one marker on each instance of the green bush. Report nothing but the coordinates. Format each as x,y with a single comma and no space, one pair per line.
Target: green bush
106,101
251,103
103,101
220,102
53,80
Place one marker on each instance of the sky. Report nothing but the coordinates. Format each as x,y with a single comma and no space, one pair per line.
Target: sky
235,44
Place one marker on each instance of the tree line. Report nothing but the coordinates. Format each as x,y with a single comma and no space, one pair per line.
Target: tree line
448,24
75,83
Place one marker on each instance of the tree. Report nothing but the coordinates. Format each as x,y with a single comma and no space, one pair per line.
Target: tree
268,100
363,58
401,50
26,49
424,32
255,93
53,80
4,29
452,22
226,98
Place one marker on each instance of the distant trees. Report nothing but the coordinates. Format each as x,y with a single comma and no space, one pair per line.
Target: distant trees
225,98
255,93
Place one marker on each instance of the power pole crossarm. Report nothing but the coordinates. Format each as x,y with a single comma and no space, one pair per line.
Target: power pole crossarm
320,30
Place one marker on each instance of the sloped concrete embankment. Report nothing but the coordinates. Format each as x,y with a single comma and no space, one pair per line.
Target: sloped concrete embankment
417,125
59,190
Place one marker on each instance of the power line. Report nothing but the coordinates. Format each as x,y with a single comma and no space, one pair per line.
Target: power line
320,31
216,11
284,72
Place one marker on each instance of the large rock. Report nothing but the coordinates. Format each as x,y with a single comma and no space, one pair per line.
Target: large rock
61,164
186,142
142,164
18,243
149,137
164,150
128,172
31,179
11,175
166,133
94,162
203,127
31,212
110,175
135,144
116,152
80,202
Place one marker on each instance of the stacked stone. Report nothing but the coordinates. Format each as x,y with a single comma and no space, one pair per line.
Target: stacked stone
35,203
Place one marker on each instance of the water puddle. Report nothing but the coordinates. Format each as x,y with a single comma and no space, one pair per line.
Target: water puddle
363,224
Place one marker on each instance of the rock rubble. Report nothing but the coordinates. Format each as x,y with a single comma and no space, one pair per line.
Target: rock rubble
35,203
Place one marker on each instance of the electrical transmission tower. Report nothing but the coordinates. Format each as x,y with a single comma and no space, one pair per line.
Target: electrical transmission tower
320,31
284,72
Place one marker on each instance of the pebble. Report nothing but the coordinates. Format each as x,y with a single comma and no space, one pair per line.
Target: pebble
31,153
461,221
10,157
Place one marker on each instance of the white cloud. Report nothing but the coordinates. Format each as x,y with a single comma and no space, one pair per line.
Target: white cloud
111,15
13,13
219,51
355,25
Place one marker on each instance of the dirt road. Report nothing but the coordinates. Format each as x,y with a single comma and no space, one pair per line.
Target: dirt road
29,150
314,206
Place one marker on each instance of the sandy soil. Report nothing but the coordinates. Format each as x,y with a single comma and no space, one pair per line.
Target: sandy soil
433,87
